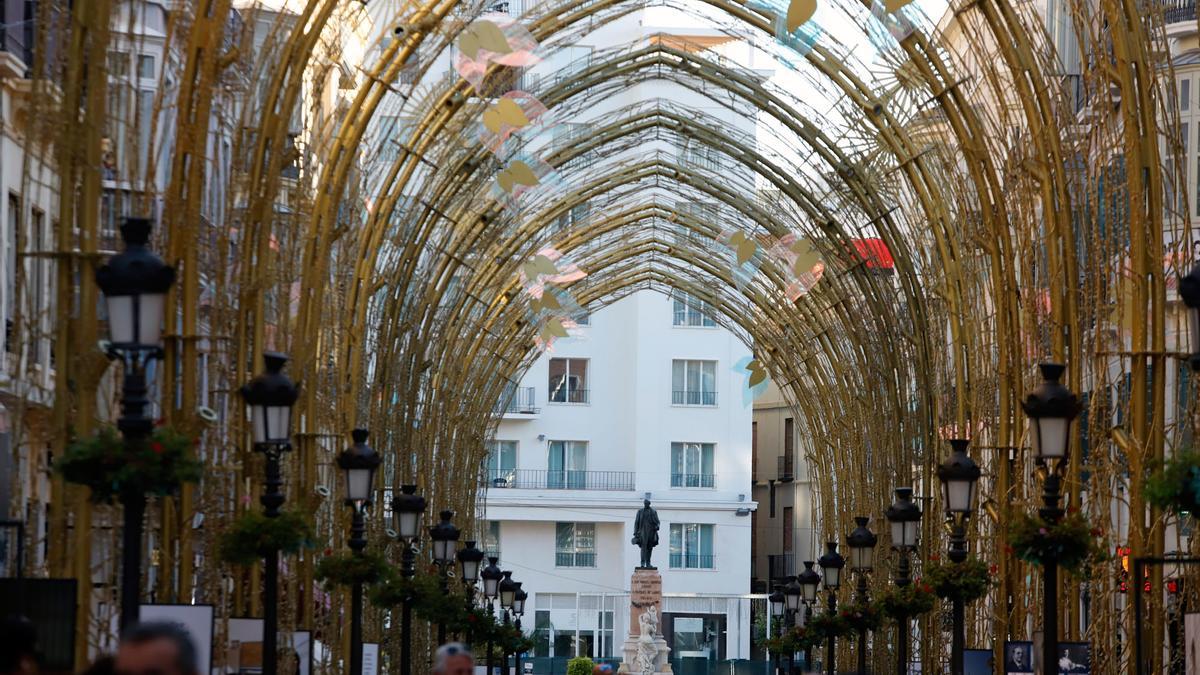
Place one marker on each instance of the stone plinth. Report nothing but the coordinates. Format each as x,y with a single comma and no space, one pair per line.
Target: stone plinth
645,597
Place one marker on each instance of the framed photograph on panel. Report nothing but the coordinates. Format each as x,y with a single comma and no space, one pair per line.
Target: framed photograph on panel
370,660
1074,657
1018,658
245,647
196,619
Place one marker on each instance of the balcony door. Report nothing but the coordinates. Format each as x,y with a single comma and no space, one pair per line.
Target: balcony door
567,464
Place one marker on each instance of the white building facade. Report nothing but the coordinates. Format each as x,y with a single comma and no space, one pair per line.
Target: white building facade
645,404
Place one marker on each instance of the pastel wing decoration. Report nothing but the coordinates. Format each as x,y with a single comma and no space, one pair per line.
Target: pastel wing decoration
756,376
513,113
493,39
800,11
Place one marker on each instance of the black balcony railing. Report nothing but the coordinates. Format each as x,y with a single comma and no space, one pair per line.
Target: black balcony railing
542,479
521,402
786,468
693,480
780,566
574,559
692,561
561,395
1179,11
693,398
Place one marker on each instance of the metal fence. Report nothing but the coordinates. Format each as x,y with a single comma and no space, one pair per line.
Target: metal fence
543,479
693,480
693,398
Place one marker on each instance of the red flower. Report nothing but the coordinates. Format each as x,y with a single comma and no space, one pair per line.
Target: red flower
935,557
927,588
157,447
328,551
993,569
1096,532
1072,509
471,618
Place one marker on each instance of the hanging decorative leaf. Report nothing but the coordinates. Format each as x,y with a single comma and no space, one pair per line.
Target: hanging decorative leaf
800,11
517,173
483,34
506,112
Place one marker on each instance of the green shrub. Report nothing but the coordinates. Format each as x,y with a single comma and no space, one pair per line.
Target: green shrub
580,665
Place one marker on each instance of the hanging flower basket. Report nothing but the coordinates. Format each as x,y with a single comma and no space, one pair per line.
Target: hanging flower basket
112,468
968,580
1175,486
252,535
824,626
792,641
862,616
347,569
906,602
1073,543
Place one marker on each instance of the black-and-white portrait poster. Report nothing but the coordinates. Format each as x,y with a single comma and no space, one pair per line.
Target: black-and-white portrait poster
197,620
978,662
1018,658
1074,657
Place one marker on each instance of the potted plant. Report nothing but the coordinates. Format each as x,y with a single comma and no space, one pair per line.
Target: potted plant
968,580
1071,542
112,467
1175,485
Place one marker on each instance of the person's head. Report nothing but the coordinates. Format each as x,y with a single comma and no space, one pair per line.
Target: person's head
18,646
646,503
453,659
156,648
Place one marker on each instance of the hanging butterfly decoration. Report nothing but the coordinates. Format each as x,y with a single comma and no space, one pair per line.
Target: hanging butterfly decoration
493,39
756,377
745,255
512,113
551,306
801,264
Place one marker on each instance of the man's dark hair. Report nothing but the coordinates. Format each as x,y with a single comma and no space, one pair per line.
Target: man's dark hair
18,641
149,631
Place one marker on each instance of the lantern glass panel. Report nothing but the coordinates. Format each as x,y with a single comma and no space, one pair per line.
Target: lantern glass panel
777,607
959,495
443,551
518,605
150,318
792,599
490,587
358,485
120,318
271,423
832,577
407,524
862,558
1049,436
810,592
506,598
470,571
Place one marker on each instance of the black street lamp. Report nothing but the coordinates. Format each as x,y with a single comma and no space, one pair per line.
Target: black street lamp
861,542
831,564
1051,408
808,580
508,596
407,508
445,541
491,576
270,397
1189,292
471,561
135,284
777,603
518,611
359,463
904,516
958,475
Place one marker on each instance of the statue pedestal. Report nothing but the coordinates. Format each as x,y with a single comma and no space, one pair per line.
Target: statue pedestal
645,598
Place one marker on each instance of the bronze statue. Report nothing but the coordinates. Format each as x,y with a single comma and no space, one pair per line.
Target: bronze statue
645,533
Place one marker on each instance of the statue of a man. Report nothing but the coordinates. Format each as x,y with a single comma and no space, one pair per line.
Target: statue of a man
645,533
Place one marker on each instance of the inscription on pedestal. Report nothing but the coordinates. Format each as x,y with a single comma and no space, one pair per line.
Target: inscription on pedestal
645,591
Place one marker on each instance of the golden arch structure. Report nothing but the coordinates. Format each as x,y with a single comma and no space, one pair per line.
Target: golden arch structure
1031,212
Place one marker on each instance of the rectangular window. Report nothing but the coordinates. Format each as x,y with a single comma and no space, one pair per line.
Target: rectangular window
145,67
693,382
10,271
575,544
568,381
501,466
789,436
1185,93
1184,131
691,546
491,539
691,311
788,524
36,281
566,465
754,452
692,465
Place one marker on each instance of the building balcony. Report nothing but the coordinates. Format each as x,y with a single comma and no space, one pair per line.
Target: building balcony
698,398
693,480
542,479
574,559
692,561
561,395
520,405
785,468
1179,17
780,566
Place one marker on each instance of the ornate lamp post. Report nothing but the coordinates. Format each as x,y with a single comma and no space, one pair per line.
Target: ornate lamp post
793,599
135,284
958,475
776,602
808,580
491,576
1189,291
1051,408
862,542
271,397
359,463
407,508
471,561
508,596
445,541
831,564
518,611
905,519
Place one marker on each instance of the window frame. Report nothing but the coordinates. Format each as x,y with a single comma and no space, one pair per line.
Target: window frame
680,397
551,387
691,306
704,480
685,555
576,551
